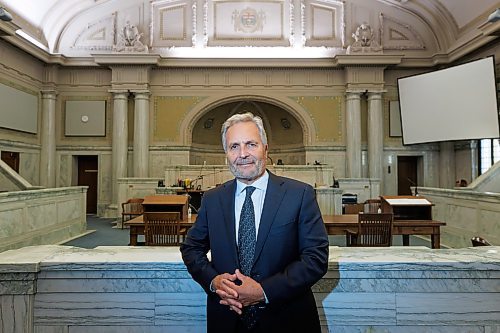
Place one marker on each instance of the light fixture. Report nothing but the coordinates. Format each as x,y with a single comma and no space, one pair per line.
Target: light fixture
495,16
5,15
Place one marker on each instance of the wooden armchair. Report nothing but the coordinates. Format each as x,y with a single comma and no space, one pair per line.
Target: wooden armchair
373,230
162,228
131,209
353,208
372,205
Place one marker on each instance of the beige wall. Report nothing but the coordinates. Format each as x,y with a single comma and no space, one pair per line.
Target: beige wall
183,99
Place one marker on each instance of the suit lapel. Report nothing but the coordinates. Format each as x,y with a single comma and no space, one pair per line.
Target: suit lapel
227,203
272,201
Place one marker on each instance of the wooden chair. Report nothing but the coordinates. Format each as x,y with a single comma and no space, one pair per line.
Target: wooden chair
131,209
478,241
162,228
353,208
373,230
372,205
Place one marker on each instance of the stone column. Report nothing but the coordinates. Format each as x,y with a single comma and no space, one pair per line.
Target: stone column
120,139
375,135
474,155
141,134
48,140
447,165
353,135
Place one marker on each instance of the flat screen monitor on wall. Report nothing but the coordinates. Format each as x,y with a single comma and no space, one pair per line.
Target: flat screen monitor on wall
457,103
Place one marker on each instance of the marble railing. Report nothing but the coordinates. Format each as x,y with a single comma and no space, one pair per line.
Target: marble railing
10,180
467,214
46,216
54,289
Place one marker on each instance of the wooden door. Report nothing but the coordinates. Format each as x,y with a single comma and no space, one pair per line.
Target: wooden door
12,159
407,174
87,176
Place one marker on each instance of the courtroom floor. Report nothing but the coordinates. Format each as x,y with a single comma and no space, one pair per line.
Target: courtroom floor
106,234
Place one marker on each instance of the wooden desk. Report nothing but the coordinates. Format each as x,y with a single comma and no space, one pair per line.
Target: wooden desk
166,203
337,224
137,227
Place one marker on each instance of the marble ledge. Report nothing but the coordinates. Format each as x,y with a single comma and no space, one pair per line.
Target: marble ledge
28,258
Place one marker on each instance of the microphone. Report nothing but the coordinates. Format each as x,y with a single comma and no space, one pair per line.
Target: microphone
335,183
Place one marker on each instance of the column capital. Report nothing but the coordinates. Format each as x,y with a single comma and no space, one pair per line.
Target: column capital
375,95
49,91
355,91
139,92
118,91
351,95
376,91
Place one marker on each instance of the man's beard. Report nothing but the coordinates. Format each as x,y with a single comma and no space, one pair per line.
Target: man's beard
258,170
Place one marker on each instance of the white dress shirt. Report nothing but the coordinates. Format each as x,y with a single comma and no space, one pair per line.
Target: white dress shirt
258,197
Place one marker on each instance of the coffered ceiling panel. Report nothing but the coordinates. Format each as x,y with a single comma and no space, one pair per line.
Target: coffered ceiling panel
172,23
256,23
324,23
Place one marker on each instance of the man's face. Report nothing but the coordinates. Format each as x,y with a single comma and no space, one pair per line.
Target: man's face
245,152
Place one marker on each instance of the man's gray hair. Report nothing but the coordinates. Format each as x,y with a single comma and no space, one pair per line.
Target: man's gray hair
240,118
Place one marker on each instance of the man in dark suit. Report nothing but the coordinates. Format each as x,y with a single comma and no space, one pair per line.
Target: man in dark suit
267,241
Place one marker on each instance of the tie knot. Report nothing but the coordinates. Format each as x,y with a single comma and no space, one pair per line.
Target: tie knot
249,190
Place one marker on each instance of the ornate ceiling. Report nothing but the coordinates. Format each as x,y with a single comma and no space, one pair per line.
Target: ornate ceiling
423,32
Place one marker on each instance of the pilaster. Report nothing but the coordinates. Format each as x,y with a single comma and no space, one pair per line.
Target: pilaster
120,139
48,139
353,135
375,135
447,164
141,134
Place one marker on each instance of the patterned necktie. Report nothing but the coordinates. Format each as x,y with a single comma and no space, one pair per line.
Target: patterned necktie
246,250
246,233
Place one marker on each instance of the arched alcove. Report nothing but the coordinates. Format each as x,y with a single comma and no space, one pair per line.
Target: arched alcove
284,132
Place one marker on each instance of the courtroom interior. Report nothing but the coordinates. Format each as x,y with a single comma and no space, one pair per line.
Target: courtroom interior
108,101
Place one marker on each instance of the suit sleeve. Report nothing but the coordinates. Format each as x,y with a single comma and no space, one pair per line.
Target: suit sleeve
194,251
312,261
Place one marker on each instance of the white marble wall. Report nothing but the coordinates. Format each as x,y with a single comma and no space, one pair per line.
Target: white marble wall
467,213
53,289
329,200
46,216
28,167
365,188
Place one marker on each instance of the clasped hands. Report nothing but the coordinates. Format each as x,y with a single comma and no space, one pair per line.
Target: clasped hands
237,290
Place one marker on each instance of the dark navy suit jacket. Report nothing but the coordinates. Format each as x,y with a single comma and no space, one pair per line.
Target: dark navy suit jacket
291,254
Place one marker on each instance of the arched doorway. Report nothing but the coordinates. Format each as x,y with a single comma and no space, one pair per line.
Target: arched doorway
284,133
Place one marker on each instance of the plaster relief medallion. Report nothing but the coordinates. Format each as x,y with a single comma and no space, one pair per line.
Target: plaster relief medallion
248,20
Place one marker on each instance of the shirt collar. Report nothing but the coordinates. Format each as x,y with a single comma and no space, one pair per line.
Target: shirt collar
260,183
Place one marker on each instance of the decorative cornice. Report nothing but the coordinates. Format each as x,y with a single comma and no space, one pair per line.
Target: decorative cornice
367,60
490,29
126,59
8,28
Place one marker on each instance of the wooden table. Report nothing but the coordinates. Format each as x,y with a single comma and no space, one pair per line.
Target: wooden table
337,224
137,227
166,203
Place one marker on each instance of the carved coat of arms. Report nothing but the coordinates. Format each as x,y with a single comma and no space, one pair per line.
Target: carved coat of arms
129,40
248,20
